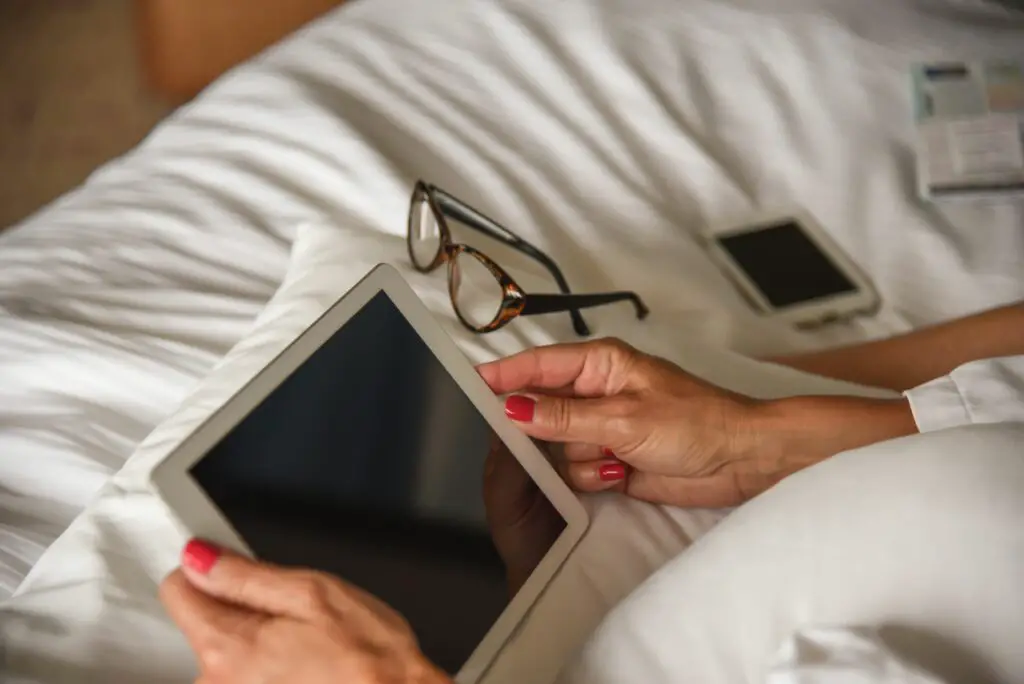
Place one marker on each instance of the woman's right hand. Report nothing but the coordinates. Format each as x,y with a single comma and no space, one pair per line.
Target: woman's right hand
639,424
252,622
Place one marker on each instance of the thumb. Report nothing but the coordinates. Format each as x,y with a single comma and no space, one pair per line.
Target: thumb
568,419
508,492
263,587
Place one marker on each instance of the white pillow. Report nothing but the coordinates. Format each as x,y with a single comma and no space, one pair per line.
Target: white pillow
88,609
918,539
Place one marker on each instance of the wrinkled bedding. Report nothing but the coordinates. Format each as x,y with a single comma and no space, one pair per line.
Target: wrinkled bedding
608,132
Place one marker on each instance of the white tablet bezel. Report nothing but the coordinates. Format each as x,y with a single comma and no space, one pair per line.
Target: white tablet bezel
864,300
202,519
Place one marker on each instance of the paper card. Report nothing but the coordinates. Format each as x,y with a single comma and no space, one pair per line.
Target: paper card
970,120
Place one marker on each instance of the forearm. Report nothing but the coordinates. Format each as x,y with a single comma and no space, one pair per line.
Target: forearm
794,433
909,360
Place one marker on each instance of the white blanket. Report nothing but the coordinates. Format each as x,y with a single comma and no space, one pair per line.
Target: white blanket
607,132
89,606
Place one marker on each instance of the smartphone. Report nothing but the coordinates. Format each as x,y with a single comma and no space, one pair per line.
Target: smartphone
788,267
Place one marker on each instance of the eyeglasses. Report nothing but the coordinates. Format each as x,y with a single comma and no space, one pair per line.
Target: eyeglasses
484,296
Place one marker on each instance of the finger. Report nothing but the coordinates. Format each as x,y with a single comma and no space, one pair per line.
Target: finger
578,451
721,490
604,420
509,492
500,464
541,367
702,492
564,391
595,476
201,618
494,446
592,368
299,594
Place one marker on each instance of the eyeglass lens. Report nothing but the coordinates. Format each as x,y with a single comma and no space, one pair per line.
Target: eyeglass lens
424,233
476,293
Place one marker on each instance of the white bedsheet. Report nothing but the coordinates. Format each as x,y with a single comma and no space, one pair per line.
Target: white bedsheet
88,609
607,132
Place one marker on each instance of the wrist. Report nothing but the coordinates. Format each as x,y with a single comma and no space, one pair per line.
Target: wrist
796,432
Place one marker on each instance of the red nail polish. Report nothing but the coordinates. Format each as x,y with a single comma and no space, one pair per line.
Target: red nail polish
608,453
611,471
520,408
199,556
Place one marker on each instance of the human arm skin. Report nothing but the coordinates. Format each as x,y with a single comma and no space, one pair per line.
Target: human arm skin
791,434
906,361
640,425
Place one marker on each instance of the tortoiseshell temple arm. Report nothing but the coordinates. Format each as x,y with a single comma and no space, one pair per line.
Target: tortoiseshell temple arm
460,211
552,303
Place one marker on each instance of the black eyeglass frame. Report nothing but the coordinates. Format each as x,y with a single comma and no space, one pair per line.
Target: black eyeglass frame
515,301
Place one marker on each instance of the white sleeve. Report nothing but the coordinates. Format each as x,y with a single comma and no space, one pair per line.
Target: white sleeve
986,391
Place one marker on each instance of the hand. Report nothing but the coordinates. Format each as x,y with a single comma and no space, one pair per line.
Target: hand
614,406
523,523
251,622
643,426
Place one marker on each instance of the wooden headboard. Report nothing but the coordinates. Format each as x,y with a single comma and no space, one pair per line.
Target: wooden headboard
186,44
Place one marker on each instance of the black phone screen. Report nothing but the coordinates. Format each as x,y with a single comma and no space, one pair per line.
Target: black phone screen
785,264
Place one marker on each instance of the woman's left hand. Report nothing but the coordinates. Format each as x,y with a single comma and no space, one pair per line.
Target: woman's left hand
250,622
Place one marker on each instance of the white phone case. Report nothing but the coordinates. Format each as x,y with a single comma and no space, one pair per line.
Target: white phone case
819,311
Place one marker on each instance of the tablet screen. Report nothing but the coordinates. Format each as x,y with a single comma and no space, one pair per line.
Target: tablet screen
368,463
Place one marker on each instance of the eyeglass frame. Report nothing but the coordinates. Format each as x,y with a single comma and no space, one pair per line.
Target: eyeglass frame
515,301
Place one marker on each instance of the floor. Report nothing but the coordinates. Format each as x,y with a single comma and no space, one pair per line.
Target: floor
70,96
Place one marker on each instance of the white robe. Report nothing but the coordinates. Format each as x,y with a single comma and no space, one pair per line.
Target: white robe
986,391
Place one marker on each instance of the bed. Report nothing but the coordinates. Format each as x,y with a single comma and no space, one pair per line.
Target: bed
607,132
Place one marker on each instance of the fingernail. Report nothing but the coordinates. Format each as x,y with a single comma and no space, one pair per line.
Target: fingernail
520,408
608,453
199,556
611,471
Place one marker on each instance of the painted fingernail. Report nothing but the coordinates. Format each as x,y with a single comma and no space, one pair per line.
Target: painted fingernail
200,556
610,472
520,408
608,453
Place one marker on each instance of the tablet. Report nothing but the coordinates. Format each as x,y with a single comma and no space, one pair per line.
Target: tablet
360,451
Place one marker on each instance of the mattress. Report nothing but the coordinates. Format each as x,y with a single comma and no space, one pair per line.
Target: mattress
607,132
